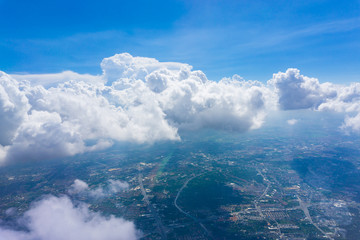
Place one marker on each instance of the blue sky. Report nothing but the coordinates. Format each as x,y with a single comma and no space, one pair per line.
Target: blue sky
251,38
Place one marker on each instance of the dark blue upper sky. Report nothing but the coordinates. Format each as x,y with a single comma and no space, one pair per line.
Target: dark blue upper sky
251,38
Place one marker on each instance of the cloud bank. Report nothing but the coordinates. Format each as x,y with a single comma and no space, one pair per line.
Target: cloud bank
143,100
135,99
57,218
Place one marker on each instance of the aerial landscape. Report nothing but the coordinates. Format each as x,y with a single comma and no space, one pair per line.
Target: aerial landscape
180,120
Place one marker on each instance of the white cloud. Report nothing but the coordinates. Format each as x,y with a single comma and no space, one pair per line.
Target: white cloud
347,99
57,218
136,99
292,121
296,91
80,187
13,108
143,100
44,135
124,66
116,186
352,123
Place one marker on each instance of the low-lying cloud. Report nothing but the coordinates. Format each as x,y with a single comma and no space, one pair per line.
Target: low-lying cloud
292,121
58,218
80,187
143,100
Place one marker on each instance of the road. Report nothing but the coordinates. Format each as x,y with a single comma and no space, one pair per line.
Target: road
153,211
304,208
258,208
186,213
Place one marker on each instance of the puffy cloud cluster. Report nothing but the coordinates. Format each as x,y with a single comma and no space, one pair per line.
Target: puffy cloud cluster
13,108
143,100
80,187
57,218
186,98
352,123
296,91
135,99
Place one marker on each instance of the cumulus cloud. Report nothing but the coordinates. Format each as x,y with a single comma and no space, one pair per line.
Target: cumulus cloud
143,100
185,97
44,135
296,91
13,108
347,99
57,218
352,123
80,187
135,99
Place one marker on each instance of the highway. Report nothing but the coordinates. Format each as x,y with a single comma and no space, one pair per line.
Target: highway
258,208
153,211
304,208
186,213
